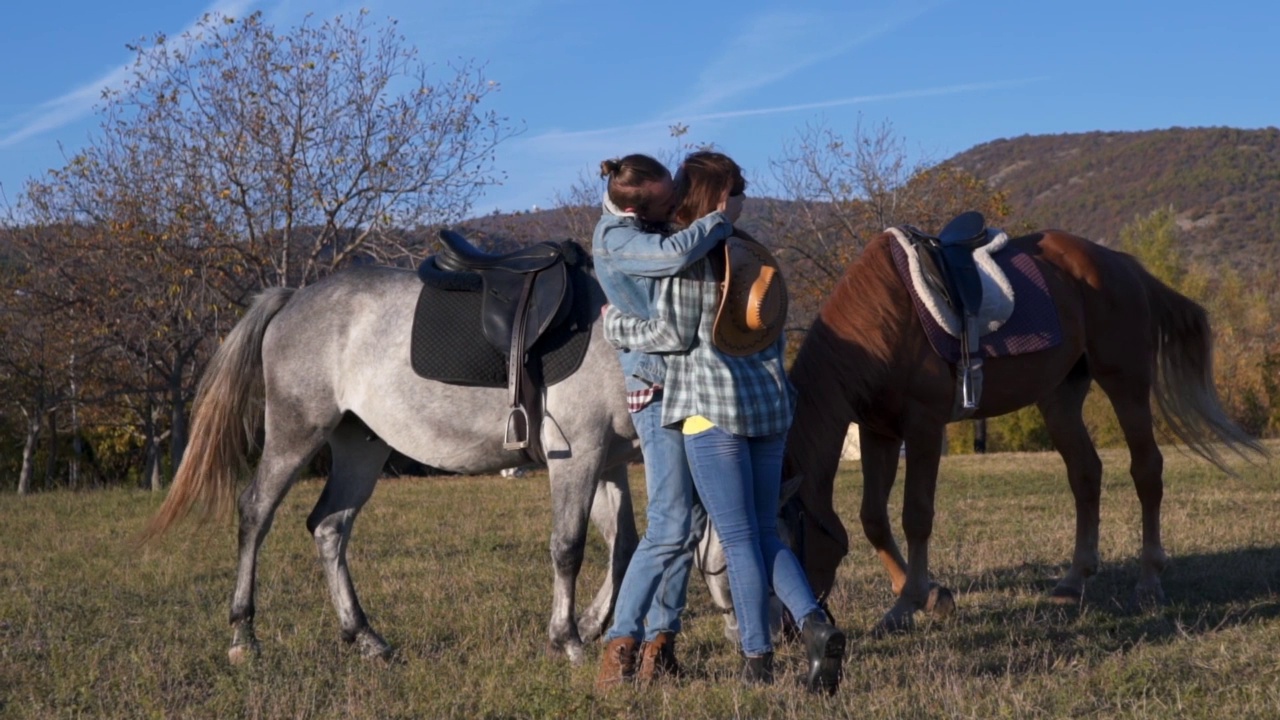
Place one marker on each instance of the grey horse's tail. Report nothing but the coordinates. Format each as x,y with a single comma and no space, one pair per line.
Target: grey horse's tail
224,420
1184,388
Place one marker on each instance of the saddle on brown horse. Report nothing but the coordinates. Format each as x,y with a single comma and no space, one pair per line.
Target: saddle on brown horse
524,294
947,259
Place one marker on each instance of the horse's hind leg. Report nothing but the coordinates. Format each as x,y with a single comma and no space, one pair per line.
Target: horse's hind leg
613,516
1065,423
573,488
358,458
1131,399
285,450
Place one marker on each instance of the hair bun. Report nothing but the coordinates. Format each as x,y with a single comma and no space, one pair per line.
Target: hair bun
610,167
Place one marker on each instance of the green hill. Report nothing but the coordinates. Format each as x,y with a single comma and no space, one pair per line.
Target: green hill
1223,183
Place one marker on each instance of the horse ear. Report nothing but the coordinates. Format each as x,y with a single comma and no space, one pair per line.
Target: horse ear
790,487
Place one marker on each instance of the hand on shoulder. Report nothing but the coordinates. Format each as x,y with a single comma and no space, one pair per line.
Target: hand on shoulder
731,205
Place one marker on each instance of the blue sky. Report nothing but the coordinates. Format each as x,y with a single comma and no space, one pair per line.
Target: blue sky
590,80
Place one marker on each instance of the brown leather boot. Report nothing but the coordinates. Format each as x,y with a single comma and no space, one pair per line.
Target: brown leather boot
618,664
658,659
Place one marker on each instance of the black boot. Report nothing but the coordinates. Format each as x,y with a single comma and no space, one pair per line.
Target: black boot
824,645
758,670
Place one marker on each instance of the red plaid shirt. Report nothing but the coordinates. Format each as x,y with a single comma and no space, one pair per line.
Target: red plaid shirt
638,400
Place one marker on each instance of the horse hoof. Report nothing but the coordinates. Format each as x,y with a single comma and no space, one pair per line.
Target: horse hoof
1066,596
571,650
244,644
895,622
941,602
590,630
371,645
1149,598
575,654
240,655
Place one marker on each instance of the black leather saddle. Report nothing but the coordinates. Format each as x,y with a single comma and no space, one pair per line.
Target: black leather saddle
947,260
525,294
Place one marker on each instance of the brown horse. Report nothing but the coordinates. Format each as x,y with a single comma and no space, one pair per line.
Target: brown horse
867,360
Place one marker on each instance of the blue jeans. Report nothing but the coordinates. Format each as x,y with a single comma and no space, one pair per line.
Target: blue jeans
654,588
739,479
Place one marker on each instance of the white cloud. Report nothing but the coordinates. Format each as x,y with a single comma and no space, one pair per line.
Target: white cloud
79,102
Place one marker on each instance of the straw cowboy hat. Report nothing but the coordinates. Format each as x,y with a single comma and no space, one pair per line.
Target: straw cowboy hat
753,299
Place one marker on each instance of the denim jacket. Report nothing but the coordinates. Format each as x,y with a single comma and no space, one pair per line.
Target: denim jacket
628,262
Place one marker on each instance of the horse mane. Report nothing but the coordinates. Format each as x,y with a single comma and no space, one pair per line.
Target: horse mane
851,341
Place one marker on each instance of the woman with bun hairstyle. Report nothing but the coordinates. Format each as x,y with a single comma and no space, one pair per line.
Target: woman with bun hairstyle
733,404
633,246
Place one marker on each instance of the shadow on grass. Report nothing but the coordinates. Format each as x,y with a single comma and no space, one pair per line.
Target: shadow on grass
1206,593
1193,582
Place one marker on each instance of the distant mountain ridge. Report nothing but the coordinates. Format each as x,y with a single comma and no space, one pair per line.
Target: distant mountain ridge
1223,183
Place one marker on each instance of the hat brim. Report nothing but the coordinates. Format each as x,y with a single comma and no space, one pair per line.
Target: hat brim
753,299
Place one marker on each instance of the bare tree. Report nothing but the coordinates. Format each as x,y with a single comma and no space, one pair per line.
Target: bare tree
840,191
238,158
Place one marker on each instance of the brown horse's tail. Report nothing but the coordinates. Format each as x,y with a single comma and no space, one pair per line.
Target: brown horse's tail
1184,388
225,417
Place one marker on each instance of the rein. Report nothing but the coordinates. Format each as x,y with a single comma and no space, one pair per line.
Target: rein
700,558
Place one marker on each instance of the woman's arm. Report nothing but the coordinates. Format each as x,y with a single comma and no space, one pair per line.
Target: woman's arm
630,332
677,310
656,255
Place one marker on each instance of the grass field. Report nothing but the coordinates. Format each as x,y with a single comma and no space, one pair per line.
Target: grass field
456,573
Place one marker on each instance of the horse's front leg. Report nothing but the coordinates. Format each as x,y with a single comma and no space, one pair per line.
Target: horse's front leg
924,452
614,517
879,470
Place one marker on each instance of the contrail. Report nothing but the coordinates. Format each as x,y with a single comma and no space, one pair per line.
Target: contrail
855,100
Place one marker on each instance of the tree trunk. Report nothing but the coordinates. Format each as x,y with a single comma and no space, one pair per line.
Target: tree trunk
177,416
151,472
29,452
51,462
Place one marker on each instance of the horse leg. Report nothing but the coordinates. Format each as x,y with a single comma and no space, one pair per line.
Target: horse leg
1063,419
573,488
924,452
879,471
284,452
1131,400
358,458
613,516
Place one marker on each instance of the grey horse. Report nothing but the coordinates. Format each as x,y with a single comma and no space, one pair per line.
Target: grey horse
330,363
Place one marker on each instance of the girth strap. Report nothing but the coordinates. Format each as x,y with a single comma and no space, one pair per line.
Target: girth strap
520,433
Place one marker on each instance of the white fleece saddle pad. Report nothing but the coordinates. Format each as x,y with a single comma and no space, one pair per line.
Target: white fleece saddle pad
997,293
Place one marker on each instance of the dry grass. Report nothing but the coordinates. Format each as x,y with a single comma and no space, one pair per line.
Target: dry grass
456,573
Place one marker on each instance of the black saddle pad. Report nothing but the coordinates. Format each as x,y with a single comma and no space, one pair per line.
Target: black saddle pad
448,344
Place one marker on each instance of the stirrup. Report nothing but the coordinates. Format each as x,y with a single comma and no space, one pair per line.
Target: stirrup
518,443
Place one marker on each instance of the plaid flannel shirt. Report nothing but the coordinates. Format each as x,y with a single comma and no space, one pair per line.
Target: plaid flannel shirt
743,395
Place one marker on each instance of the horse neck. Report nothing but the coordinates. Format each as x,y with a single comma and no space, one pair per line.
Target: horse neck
845,361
